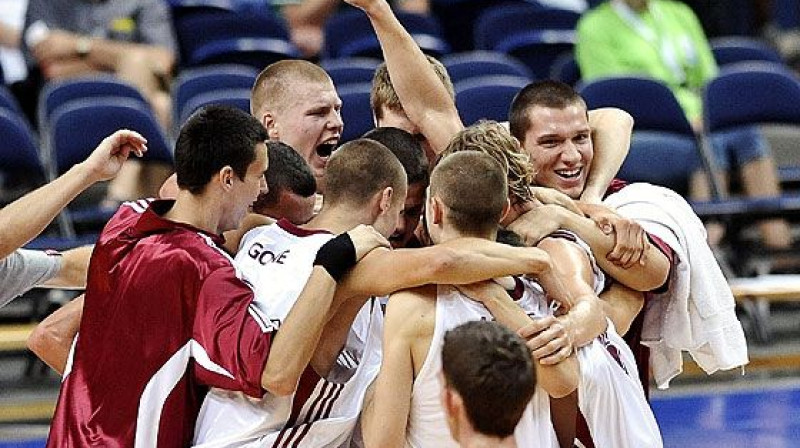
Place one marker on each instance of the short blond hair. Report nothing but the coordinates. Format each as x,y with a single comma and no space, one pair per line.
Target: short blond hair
492,138
383,94
274,85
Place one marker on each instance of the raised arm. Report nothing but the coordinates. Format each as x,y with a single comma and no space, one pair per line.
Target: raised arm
24,219
458,261
425,99
611,137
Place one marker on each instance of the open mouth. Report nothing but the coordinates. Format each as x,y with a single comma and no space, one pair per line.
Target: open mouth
325,150
569,174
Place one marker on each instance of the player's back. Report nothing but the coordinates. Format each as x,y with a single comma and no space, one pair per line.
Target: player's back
427,424
277,261
144,279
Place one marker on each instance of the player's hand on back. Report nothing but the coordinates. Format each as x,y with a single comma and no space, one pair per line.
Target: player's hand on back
548,339
630,238
365,238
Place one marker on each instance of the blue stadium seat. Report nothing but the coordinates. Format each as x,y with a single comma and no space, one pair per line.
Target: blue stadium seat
196,81
8,102
19,151
238,98
458,18
533,34
732,50
217,35
750,94
487,97
350,34
77,126
473,64
58,93
346,71
356,111
656,111
565,69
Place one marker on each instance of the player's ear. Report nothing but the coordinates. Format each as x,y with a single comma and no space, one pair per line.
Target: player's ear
437,209
386,199
506,209
270,124
225,177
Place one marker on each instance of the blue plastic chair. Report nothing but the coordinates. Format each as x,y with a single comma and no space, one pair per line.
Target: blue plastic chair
356,111
193,82
487,97
750,94
8,102
473,64
350,34
346,71
238,98
732,50
533,34
217,36
79,125
565,69
656,111
19,151
56,94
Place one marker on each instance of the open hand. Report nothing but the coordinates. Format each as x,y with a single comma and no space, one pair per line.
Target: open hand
630,241
107,159
365,238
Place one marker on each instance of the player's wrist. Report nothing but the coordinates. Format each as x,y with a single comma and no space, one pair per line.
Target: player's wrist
337,256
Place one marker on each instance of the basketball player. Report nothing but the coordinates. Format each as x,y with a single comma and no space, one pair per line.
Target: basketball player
366,183
487,381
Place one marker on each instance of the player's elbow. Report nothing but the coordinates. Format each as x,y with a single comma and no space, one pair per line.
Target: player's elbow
278,383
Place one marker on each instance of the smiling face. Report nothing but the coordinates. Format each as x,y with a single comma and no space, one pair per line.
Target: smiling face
243,192
559,144
310,122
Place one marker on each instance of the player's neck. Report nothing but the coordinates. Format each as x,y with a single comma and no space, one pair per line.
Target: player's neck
337,219
450,233
198,211
469,438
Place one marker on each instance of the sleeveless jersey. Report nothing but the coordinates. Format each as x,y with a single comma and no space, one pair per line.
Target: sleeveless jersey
427,425
277,260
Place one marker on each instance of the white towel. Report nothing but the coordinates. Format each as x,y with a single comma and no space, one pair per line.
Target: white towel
697,313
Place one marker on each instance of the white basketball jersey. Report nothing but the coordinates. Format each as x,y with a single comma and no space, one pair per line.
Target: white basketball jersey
277,261
427,424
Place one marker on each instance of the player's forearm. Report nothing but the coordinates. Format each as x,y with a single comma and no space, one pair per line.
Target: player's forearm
641,277
52,339
25,218
74,268
558,380
585,321
611,136
425,99
481,259
299,335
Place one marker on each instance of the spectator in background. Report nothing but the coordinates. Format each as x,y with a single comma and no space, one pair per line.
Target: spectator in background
663,39
11,22
132,39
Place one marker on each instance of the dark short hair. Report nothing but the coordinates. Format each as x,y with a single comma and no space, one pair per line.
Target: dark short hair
473,186
359,169
215,137
548,93
491,369
407,149
287,171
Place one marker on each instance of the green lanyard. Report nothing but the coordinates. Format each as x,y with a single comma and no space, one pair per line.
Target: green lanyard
658,37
